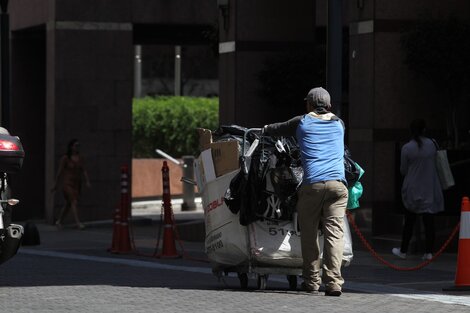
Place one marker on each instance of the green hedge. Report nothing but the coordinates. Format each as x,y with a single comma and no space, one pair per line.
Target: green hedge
169,124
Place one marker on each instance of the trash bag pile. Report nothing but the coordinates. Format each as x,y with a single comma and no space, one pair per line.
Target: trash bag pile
266,186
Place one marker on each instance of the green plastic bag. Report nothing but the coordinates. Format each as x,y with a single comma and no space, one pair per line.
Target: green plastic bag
355,192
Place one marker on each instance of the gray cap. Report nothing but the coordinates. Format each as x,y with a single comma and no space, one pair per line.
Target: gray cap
318,97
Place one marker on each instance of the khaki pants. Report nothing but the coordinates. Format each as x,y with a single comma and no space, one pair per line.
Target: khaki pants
325,202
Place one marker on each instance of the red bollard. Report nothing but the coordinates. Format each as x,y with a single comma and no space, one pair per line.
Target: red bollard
116,231
125,241
121,238
169,248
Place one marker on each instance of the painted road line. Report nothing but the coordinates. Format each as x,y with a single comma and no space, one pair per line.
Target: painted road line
128,262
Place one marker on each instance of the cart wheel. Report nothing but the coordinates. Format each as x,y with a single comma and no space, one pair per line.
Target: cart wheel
243,277
262,279
292,279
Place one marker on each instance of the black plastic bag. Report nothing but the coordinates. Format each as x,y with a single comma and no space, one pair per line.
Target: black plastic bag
351,171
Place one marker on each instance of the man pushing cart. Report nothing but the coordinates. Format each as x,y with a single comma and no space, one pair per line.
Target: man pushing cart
250,217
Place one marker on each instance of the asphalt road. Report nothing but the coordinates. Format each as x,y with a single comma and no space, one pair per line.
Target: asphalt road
72,271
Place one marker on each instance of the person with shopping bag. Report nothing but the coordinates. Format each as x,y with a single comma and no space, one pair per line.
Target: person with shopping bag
323,196
421,191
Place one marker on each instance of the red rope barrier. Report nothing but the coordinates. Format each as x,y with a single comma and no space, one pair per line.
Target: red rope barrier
392,266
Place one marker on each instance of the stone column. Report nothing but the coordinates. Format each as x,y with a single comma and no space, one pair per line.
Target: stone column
251,32
89,97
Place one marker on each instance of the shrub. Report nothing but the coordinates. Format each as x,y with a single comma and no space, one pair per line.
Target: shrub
169,124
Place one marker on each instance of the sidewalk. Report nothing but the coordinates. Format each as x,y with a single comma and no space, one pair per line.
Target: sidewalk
365,274
153,210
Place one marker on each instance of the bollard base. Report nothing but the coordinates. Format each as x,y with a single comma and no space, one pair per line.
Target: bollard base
185,206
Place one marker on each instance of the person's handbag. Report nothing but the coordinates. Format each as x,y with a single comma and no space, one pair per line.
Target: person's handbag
443,168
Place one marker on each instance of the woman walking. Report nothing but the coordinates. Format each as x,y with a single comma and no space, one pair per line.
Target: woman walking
70,173
421,192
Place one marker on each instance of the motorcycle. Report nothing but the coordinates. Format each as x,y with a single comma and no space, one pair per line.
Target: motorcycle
11,160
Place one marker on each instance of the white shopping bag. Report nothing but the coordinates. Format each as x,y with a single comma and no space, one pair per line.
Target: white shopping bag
443,170
277,243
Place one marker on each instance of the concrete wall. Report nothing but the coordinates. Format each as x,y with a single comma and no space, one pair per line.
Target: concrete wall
28,119
92,94
385,97
258,30
147,178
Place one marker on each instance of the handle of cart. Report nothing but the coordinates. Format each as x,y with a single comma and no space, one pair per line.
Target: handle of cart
247,155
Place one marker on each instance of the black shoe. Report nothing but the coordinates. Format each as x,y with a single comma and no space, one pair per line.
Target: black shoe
307,289
333,293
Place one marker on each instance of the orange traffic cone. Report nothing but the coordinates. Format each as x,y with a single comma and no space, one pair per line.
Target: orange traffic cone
122,242
125,240
116,232
124,237
169,248
462,275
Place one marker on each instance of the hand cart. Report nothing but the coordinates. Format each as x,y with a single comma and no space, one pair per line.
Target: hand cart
262,248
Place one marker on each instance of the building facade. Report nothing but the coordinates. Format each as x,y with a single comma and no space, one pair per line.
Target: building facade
73,72
72,65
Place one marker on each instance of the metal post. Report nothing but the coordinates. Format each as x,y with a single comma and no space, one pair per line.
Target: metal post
5,63
188,189
177,70
334,54
138,72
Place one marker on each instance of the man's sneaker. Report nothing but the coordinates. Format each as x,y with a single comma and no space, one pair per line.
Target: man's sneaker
308,289
398,253
427,256
333,293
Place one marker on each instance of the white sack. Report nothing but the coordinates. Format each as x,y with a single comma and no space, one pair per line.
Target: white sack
226,240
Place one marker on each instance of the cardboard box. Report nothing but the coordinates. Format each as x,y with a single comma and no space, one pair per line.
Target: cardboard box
204,169
205,138
225,156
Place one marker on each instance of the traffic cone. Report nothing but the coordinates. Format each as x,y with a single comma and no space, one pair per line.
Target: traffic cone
122,242
169,248
124,237
125,240
116,231
462,275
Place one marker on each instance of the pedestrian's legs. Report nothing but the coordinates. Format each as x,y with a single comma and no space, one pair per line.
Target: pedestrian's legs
63,213
334,209
410,219
309,210
75,214
428,221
